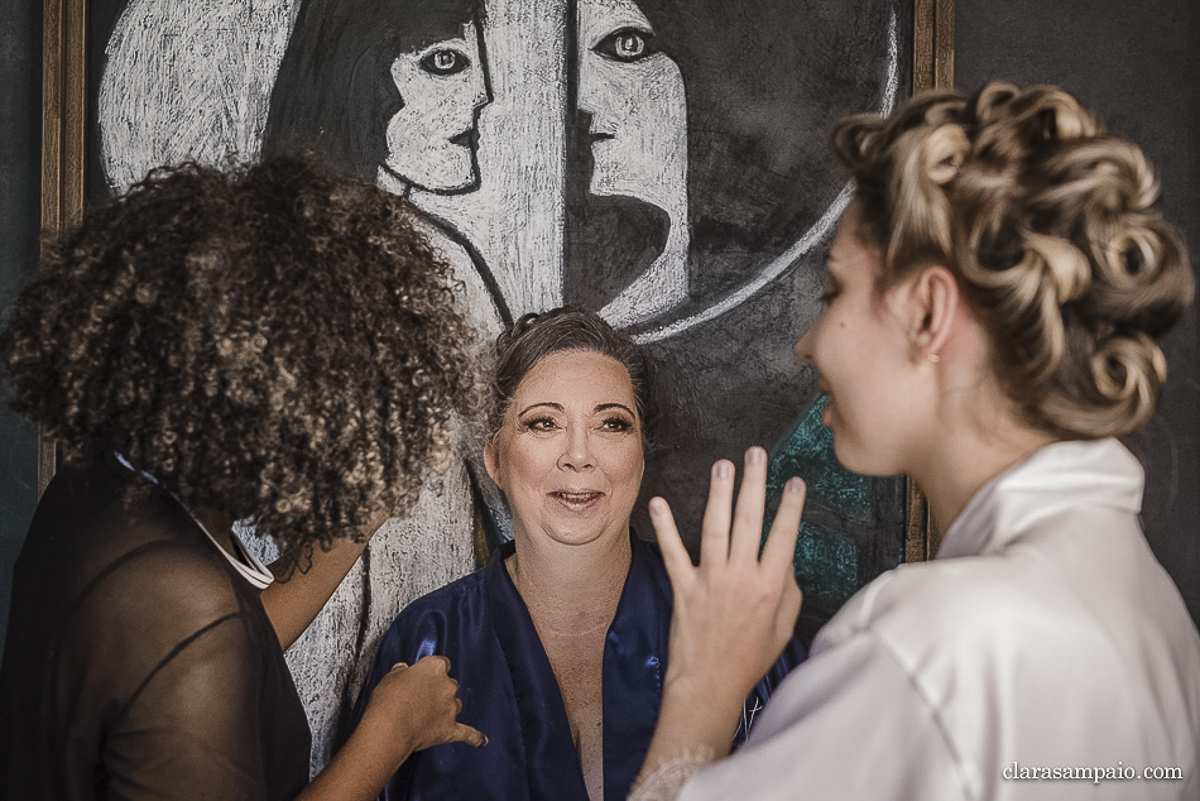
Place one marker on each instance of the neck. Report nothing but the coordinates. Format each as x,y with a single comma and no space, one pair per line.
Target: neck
964,458
570,589
219,525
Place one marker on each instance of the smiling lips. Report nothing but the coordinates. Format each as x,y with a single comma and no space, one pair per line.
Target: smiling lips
577,501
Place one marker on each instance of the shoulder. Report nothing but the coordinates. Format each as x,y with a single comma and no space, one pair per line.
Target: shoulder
468,589
919,610
437,612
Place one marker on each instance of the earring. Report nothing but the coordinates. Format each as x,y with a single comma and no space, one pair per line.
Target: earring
933,357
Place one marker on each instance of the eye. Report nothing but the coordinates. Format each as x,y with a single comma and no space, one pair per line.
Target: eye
832,288
617,424
444,62
627,44
540,424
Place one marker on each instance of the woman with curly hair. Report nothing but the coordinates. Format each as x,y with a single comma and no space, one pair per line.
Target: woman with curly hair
994,297
262,344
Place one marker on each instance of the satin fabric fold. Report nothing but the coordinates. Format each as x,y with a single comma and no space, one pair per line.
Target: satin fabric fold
509,691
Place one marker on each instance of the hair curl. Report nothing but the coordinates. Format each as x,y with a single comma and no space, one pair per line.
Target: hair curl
1051,230
268,341
567,328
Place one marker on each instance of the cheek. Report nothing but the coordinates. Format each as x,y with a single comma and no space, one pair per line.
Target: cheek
625,464
524,465
453,99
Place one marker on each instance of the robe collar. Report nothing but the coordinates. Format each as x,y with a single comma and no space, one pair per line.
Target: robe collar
635,654
1100,473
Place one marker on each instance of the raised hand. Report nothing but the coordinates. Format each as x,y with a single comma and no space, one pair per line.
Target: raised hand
734,612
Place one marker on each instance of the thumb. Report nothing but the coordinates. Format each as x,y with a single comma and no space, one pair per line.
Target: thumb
467,734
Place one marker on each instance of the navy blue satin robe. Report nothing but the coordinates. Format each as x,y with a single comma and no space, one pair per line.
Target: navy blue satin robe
510,694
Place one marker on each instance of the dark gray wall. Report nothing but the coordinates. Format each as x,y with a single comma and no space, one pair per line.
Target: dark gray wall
1136,63
20,185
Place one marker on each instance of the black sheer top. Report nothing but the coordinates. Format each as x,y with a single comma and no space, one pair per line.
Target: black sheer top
138,663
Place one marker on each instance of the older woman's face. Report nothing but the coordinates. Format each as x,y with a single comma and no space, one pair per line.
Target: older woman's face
431,138
569,454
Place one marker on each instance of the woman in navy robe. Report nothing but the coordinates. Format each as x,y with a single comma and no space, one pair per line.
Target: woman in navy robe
559,645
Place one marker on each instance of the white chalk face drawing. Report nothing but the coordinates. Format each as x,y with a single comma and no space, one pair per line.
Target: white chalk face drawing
632,95
431,139
664,162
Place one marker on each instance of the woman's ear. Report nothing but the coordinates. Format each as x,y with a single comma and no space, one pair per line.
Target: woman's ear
935,300
490,462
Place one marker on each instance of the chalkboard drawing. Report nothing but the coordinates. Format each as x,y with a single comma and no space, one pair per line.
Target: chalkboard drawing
431,138
662,161
185,81
393,92
634,108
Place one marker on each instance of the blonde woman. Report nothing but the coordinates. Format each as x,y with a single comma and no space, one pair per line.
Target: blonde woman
995,294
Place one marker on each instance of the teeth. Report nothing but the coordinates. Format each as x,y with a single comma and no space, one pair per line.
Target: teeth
577,497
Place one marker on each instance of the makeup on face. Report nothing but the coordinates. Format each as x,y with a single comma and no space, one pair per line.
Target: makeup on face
861,351
569,454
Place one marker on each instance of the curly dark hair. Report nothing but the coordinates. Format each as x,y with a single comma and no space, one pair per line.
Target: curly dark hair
1053,231
269,341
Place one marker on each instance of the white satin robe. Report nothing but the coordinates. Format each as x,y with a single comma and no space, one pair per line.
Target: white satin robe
1045,634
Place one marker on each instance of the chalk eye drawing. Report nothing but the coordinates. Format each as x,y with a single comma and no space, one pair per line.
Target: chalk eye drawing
634,105
662,161
431,138
394,92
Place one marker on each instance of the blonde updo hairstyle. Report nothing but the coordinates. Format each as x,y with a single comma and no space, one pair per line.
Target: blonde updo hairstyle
1050,228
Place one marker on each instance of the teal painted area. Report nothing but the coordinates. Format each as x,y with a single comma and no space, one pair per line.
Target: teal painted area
826,569
808,452
838,511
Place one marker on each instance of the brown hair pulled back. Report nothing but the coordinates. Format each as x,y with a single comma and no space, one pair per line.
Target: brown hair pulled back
567,328
1050,227
268,341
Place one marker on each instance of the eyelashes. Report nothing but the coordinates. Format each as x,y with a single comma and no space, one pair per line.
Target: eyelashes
617,424
830,293
613,424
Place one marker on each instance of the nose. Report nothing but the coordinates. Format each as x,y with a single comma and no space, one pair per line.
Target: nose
577,450
482,86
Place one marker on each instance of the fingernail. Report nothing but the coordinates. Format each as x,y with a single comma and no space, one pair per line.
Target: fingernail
722,469
756,456
658,506
794,484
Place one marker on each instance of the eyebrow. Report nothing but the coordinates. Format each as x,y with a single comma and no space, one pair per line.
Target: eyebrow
558,407
606,406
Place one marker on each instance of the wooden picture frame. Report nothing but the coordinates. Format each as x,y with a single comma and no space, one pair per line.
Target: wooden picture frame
64,111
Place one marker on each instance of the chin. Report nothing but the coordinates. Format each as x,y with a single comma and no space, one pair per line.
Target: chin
580,534
856,461
455,174
849,457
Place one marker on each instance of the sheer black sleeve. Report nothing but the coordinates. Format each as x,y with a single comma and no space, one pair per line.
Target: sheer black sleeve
139,664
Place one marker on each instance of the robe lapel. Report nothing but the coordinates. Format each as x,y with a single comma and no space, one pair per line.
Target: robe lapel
544,727
635,661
